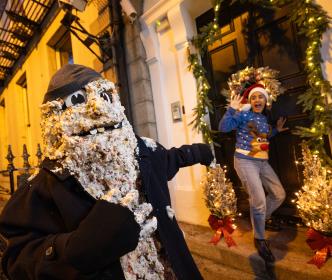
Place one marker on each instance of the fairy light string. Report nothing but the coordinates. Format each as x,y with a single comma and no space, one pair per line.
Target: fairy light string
314,200
311,21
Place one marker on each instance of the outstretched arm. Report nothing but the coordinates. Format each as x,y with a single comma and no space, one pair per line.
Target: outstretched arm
232,118
279,126
187,155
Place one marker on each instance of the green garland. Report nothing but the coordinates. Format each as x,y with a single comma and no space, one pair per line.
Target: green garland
312,21
208,35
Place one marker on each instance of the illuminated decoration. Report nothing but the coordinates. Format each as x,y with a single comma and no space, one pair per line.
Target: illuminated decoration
208,34
314,203
312,21
314,200
220,199
244,78
203,101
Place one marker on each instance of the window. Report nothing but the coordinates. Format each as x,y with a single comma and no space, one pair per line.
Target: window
61,43
3,135
63,50
24,114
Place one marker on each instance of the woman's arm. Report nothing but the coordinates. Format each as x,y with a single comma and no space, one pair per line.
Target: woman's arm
279,127
231,120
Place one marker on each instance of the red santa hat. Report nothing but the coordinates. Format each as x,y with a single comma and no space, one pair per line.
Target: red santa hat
248,92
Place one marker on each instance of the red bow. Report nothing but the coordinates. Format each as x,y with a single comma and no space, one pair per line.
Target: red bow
321,244
222,227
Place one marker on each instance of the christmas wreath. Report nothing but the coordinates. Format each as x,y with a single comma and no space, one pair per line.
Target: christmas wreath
242,80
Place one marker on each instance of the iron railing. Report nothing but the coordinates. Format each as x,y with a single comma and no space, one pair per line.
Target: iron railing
23,172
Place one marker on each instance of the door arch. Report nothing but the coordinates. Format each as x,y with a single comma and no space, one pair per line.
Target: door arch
254,36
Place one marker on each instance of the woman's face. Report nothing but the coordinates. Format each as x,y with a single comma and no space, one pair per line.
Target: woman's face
257,102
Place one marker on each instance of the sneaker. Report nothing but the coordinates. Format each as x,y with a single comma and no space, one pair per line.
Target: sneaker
263,250
272,225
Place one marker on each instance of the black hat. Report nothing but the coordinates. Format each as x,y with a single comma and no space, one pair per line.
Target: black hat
68,79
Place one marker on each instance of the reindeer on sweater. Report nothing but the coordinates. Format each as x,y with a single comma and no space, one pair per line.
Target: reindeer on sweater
259,143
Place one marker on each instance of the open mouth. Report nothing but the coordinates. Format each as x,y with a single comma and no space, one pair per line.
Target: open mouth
258,106
97,130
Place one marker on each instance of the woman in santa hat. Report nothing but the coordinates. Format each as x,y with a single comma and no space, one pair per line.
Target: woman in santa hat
245,114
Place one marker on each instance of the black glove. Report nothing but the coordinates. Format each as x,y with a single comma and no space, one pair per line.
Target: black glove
206,156
107,233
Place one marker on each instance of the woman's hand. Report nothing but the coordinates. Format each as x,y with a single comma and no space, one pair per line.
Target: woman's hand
280,124
236,101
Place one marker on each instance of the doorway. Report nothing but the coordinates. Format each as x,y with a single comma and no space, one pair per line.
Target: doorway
257,36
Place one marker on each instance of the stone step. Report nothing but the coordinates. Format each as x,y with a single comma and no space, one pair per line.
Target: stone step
211,270
288,245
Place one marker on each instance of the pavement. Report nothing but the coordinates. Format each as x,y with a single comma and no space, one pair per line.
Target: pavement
242,261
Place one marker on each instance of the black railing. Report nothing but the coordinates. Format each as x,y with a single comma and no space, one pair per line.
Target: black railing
23,173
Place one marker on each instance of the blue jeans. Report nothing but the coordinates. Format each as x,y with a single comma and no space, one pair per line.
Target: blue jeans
257,175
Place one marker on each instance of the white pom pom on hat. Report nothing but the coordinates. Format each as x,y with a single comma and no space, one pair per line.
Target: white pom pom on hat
248,92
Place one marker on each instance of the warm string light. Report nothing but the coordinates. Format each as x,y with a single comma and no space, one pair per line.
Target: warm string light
312,21
220,197
314,24
201,42
314,199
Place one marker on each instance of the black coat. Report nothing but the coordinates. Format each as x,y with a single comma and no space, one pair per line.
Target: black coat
56,230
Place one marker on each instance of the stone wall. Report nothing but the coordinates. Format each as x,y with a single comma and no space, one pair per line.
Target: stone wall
140,91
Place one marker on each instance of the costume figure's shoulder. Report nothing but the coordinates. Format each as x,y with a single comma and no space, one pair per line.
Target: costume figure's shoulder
150,143
55,168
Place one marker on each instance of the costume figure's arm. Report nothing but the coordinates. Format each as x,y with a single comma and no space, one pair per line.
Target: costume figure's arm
41,247
231,120
187,155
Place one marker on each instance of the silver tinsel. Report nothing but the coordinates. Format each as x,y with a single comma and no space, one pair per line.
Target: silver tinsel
220,197
314,200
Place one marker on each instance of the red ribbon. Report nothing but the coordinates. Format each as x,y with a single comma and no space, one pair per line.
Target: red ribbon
321,244
222,228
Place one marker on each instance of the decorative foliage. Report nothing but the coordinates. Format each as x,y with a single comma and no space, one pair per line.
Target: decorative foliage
314,201
208,34
220,197
203,101
244,78
312,21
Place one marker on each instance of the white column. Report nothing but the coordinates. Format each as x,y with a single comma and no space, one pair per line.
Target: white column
190,199
150,41
183,30
185,190
167,60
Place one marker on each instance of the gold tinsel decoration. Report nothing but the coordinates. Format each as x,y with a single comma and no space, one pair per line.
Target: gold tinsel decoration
220,197
314,200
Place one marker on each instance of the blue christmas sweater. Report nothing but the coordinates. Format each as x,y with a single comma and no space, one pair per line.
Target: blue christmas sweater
252,133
